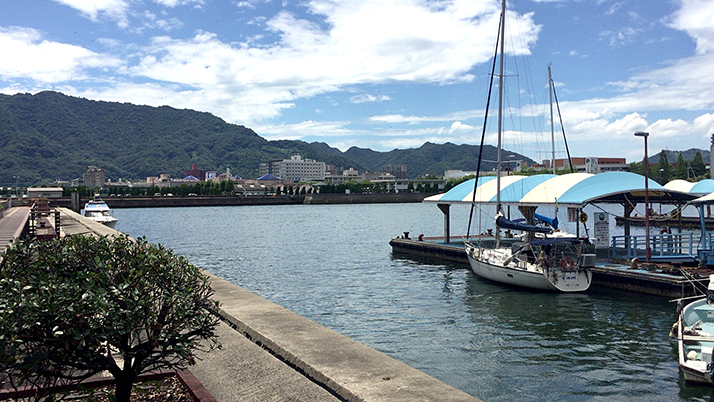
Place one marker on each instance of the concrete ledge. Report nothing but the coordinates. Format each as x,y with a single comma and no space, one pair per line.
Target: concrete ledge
348,369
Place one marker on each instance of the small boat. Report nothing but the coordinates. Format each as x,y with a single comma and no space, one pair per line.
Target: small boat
98,210
695,338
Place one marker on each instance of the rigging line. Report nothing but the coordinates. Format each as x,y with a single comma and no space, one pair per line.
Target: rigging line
483,132
565,140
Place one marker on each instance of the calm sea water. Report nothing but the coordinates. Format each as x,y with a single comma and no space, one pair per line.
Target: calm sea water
333,264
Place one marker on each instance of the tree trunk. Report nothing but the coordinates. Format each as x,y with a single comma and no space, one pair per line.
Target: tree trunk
123,386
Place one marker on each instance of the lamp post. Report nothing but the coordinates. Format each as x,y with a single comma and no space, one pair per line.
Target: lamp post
648,251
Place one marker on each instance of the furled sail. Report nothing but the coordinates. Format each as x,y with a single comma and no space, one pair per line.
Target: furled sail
502,222
551,221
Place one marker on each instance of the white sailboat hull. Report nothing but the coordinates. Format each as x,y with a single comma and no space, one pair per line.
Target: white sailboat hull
494,265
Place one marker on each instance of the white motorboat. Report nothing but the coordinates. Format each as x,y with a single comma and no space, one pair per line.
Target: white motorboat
98,210
695,338
557,263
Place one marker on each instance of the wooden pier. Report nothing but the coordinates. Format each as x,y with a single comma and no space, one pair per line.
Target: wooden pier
657,279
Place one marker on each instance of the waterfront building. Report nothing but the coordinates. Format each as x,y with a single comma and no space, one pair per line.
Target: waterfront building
295,169
94,177
411,185
590,164
44,192
457,174
347,175
199,174
398,171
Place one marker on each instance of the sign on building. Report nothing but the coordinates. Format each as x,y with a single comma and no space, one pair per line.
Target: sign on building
602,229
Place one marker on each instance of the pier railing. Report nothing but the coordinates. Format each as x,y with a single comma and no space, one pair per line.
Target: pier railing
667,246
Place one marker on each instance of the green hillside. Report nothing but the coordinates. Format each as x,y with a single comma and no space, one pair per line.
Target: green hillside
50,136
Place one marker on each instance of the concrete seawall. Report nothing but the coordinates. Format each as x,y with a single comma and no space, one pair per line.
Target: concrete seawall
272,354
232,200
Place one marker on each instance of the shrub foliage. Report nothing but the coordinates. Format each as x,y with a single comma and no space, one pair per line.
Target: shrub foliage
75,306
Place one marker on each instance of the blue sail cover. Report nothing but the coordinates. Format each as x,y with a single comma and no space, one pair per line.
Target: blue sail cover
551,221
502,222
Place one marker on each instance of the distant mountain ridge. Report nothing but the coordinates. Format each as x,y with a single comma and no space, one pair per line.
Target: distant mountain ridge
50,136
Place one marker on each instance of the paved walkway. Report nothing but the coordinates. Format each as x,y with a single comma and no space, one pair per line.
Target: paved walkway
11,225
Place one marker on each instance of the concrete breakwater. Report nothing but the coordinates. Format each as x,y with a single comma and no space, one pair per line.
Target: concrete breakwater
232,200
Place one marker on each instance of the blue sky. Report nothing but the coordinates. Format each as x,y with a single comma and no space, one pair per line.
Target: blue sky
384,74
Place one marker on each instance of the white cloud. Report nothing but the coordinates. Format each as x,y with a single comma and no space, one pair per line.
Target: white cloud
695,18
365,98
92,9
174,3
28,56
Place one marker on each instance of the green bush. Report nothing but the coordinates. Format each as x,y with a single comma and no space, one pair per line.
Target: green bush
72,307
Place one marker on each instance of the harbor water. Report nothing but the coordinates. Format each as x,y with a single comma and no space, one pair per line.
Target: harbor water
333,264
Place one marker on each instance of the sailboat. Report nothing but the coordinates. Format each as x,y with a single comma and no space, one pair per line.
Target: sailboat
537,261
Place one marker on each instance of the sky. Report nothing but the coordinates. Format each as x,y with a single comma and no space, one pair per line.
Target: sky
386,74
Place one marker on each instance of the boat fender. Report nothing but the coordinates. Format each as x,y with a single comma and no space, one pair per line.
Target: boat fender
507,261
567,263
692,355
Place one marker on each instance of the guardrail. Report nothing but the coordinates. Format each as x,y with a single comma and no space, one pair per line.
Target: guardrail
663,246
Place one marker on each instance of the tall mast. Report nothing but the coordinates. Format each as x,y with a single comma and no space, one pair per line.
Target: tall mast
500,112
552,131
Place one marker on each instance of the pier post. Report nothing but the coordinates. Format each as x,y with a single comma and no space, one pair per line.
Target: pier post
75,202
445,209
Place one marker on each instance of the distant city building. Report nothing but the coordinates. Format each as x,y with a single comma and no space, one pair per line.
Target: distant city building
347,175
398,171
457,174
294,169
44,192
94,177
587,164
195,172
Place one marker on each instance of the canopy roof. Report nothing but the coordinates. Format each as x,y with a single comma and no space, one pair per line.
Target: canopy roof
574,189
701,187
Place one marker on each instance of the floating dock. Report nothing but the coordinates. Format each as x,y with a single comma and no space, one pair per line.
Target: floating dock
658,279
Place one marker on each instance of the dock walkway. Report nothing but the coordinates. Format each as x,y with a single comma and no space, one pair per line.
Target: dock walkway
606,274
11,225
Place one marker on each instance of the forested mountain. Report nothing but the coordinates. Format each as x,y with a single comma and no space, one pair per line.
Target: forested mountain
431,158
49,136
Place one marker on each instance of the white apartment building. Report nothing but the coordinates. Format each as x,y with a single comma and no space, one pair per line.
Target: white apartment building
295,169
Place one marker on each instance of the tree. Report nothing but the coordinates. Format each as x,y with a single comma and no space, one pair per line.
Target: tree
75,306
698,165
680,169
663,169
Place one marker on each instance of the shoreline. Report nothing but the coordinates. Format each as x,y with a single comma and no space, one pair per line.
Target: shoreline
233,200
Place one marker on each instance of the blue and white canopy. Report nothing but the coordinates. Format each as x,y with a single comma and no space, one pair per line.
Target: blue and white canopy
701,187
575,189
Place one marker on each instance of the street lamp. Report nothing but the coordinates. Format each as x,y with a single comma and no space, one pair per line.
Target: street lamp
648,251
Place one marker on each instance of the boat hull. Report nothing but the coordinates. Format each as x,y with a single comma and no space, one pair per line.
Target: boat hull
694,338
495,266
